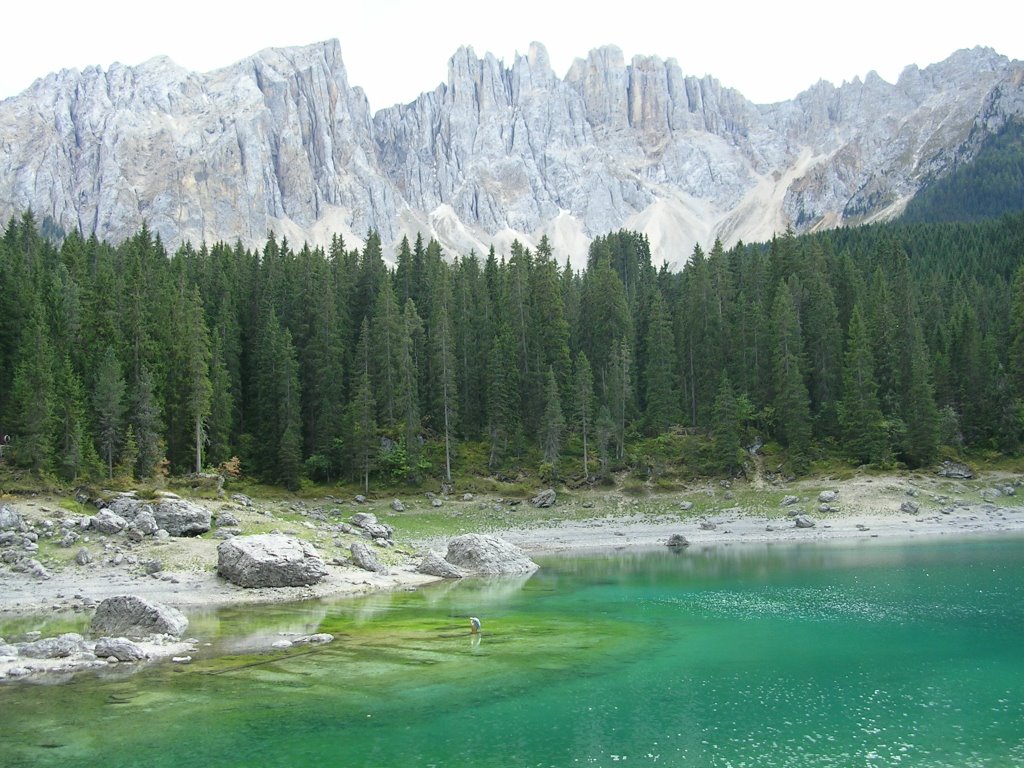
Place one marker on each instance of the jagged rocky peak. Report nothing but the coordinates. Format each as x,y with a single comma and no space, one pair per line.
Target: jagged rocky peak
282,141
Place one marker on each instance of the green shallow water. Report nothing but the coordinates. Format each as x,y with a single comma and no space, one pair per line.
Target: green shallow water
811,655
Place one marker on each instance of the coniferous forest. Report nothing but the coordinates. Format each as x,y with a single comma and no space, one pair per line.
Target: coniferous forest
885,345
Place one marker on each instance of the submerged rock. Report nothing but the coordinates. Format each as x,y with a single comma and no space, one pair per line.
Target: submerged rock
135,617
488,555
320,638
270,560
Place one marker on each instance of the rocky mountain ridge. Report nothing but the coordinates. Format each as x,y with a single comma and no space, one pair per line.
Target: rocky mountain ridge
282,142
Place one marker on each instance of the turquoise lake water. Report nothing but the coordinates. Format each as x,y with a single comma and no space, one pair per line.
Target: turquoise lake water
812,655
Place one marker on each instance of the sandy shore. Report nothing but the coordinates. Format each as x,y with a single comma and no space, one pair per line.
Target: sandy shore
633,532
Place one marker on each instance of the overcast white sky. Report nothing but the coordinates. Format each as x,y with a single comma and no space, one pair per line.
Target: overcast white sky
769,50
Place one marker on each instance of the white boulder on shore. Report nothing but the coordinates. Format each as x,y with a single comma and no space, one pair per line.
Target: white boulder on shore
270,560
487,555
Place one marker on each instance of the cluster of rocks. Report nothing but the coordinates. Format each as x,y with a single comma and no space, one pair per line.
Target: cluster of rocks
125,628
19,542
366,524
137,519
118,523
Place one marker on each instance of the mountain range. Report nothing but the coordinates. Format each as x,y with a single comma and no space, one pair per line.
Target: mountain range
282,142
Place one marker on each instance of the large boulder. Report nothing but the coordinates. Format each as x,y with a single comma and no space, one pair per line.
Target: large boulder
181,518
488,555
270,560
804,521
363,556
135,617
435,565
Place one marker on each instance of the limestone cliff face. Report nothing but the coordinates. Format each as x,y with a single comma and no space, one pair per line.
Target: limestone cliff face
282,142
278,141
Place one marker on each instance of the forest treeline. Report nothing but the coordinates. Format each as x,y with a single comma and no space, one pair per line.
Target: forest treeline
885,344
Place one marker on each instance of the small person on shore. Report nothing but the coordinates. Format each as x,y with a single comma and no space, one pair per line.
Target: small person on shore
474,625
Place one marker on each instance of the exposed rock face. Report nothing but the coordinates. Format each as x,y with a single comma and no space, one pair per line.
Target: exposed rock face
483,554
281,142
135,617
181,518
269,560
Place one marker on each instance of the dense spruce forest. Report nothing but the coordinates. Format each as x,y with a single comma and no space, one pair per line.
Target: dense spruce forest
883,345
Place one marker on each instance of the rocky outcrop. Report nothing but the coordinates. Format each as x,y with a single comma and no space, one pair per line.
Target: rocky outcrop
269,560
282,142
487,555
135,617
